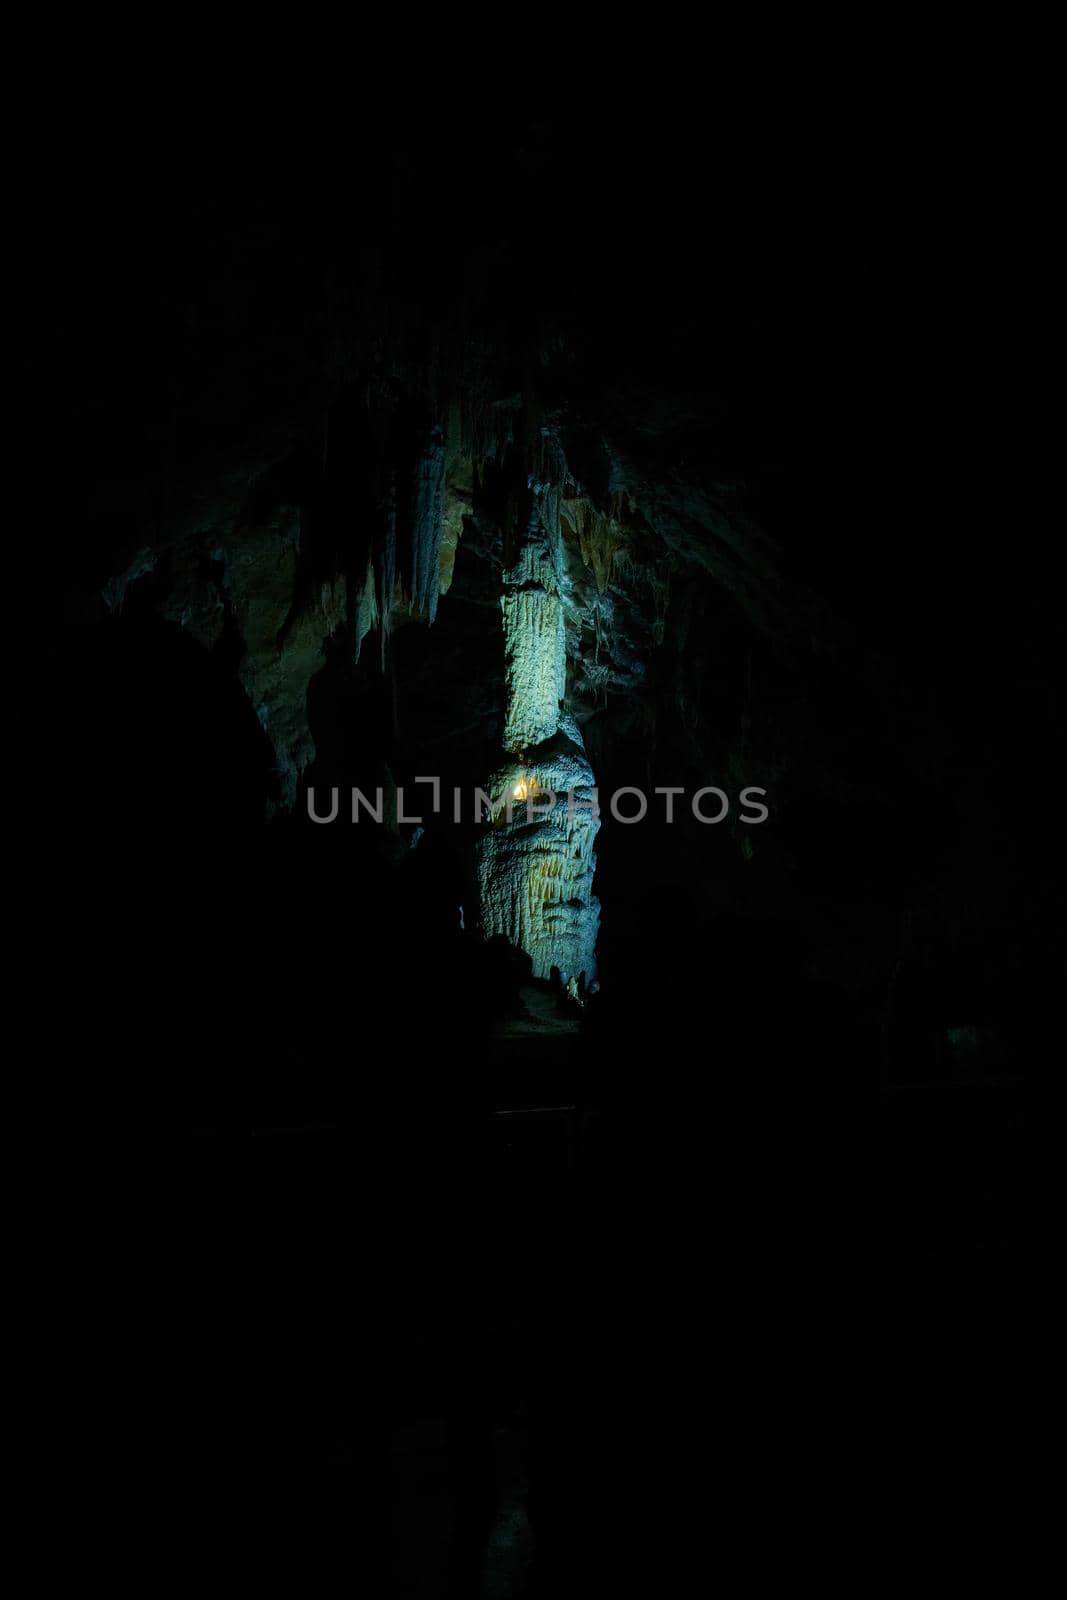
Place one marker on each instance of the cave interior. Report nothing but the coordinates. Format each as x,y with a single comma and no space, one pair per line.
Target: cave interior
541,1196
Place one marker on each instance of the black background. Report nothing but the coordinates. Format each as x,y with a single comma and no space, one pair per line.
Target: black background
815,1283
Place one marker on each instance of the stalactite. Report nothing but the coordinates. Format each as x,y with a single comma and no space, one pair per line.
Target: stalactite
535,666
535,646
425,578
385,563
367,613
601,538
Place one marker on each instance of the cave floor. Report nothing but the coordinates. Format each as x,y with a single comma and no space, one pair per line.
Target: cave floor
464,1455
539,1016
536,1055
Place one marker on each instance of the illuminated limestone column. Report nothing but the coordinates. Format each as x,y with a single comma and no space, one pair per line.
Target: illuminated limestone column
536,868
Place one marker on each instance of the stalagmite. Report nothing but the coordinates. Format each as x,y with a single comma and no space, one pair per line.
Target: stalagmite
536,870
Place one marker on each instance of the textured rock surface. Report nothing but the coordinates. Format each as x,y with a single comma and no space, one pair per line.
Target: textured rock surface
535,654
283,640
535,867
595,385
413,505
536,862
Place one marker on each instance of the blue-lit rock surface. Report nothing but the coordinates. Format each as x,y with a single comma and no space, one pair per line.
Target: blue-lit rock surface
536,866
536,862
